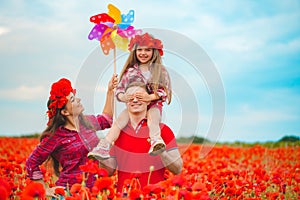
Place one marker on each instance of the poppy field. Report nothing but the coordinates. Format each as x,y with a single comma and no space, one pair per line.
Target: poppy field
209,172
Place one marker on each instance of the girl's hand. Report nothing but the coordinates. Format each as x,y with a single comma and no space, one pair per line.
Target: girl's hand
113,82
143,96
125,97
128,97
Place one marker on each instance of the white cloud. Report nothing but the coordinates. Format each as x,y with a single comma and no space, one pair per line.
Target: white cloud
4,30
286,48
24,92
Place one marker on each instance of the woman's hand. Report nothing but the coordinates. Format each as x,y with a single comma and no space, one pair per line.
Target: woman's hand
113,82
50,192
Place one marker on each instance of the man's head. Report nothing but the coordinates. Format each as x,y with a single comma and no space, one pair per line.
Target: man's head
136,106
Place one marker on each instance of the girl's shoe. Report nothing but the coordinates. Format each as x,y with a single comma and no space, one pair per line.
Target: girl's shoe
101,151
157,146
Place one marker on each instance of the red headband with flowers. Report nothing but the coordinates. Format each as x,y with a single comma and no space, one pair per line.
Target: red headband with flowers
146,40
58,94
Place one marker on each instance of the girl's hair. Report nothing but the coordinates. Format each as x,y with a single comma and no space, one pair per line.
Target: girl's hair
159,73
57,121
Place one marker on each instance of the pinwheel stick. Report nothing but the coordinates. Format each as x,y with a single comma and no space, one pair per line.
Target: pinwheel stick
115,72
115,64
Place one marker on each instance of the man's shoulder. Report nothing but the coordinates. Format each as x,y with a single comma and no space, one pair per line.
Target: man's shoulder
168,135
163,125
165,128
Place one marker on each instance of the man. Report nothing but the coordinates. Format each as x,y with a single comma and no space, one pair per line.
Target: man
130,151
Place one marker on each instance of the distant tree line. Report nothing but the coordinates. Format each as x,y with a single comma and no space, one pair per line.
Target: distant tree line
284,141
289,139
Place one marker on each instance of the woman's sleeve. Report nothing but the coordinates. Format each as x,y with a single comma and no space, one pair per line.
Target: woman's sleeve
39,155
100,122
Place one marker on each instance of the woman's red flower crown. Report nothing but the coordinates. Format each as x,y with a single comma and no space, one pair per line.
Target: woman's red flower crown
58,96
146,40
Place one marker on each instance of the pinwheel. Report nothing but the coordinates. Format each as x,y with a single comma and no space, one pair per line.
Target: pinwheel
113,30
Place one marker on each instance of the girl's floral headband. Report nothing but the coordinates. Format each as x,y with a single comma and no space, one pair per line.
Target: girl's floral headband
146,40
58,96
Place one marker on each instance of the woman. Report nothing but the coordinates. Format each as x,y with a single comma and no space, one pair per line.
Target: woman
69,135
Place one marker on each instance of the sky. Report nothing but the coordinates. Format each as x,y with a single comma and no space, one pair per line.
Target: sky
234,65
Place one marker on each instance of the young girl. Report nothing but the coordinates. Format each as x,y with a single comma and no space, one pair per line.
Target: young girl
144,64
69,135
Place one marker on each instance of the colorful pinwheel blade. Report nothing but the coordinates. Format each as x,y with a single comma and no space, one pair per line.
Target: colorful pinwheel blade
101,18
97,32
128,18
106,34
120,42
115,13
129,32
109,24
107,44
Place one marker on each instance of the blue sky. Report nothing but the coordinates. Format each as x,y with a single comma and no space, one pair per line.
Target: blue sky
254,46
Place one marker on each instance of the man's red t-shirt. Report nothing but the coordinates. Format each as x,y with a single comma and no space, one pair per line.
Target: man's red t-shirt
131,152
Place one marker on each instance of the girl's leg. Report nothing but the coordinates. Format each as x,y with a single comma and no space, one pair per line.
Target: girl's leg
101,151
157,143
117,126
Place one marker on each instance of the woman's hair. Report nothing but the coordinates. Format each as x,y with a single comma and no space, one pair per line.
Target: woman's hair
158,71
54,123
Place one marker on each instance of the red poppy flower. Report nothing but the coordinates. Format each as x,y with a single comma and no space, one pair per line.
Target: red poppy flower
146,40
102,172
60,191
199,186
90,167
72,198
4,193
110,193
5,189
178,180
202,196
103,183
127,183
186,195
58,93
80,192
34,190
76,188
152,189
135,194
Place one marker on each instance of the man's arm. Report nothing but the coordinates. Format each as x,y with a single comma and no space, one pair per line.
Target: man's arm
109,164
172,160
